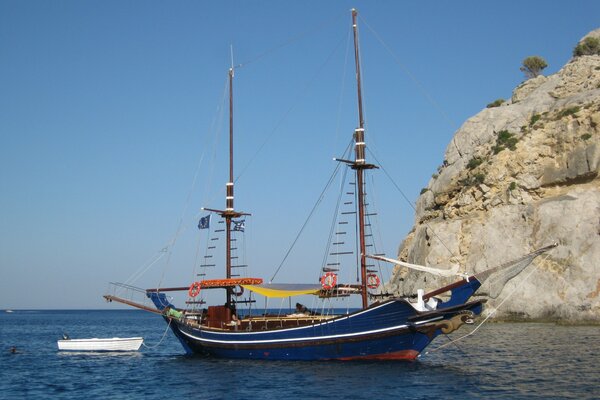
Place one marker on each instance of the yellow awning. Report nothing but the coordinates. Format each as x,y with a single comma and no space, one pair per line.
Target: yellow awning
283,290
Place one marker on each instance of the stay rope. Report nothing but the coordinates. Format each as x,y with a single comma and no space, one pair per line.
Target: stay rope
379,238
289,41
321,196
146,266
491,312
334,219
288,112
306,222
417,83
410,203
181,226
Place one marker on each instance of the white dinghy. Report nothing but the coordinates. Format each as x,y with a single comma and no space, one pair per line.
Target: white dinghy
96,344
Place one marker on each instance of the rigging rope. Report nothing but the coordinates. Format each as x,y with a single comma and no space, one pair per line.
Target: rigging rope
373,199
197,262
335,216
331,178
217,127
144,267
290,41
342,90
418,84
356,232
410,203
289,110
492,312
181,227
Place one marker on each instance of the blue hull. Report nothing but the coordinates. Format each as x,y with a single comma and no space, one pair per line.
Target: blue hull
389,330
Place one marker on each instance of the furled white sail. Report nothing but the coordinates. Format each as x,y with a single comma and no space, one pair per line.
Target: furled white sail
435,271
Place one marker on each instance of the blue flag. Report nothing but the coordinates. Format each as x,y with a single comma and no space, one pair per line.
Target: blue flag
204,222
239,225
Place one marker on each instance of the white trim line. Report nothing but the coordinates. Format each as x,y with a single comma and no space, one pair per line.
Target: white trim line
329,321
313,338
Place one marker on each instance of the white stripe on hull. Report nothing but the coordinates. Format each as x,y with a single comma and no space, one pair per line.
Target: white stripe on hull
301,339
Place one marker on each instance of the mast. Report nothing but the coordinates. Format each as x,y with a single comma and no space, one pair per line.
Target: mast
229,191
361,121
229,213
359,165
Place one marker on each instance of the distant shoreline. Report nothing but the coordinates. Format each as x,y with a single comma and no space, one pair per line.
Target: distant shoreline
17,310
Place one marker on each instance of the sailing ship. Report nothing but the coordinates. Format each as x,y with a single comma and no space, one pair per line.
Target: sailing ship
385,327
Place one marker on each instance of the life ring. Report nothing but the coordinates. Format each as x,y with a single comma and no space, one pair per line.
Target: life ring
373,281
328,280
194,289
239,292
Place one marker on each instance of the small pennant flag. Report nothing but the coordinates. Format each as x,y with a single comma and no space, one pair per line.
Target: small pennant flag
204,222
239,225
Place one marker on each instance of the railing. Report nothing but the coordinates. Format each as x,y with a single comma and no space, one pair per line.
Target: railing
130,295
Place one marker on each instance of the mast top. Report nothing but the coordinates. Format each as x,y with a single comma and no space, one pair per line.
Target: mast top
231,51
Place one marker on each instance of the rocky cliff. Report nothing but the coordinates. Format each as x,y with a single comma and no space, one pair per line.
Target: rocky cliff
515,178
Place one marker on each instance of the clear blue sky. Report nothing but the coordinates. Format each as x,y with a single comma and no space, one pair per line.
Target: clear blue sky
106,108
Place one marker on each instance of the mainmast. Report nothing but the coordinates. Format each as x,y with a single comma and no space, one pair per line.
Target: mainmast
229,192
361,121
359,165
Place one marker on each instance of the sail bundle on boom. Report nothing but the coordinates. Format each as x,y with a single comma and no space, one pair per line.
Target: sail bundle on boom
434,271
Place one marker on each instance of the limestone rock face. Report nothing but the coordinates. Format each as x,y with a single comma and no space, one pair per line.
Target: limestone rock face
516,178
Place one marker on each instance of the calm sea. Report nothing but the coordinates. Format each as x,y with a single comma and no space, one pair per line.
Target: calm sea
500,361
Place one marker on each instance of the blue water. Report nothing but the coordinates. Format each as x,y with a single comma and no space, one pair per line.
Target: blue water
500,361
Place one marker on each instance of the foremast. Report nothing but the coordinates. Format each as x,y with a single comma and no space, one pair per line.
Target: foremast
229,213
359,165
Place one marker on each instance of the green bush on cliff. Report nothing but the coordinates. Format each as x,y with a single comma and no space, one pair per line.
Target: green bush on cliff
495,103
479,178
505,140
474,162
568,111
472,180
533,66
588,47
534,118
